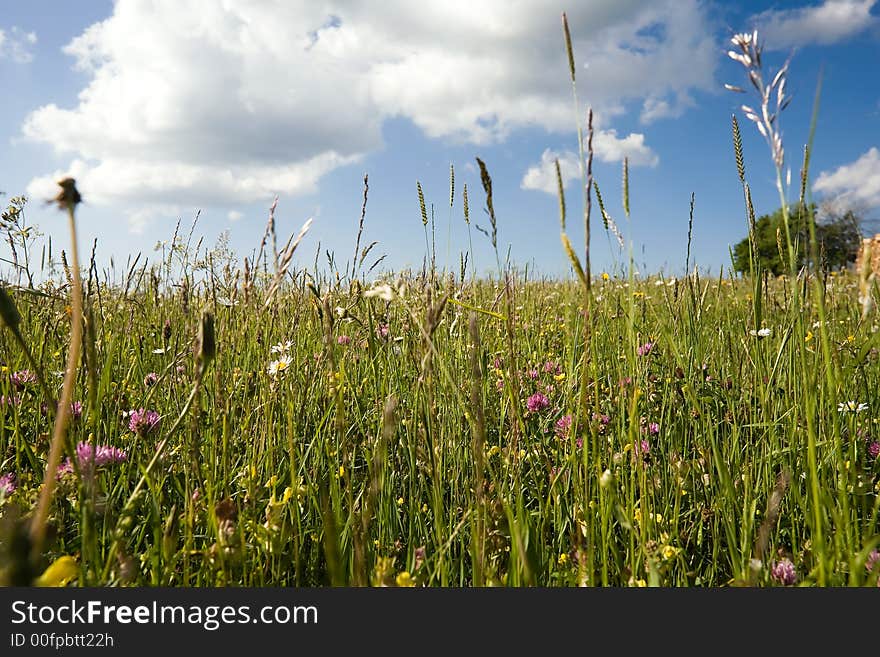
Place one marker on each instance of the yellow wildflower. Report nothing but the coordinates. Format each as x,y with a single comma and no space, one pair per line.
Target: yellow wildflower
404,579
59,573
669,552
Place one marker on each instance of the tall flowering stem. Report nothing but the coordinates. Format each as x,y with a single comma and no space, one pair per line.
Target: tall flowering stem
67,199
585,161
586,170
766,117
773,101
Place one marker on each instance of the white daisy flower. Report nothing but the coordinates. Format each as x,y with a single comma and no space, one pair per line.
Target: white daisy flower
277,367
852,407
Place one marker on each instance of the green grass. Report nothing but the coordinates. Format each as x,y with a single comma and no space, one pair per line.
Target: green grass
319,480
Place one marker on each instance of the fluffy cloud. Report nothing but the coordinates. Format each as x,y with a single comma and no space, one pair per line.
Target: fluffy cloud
16,44
114,180
606,147
213,103
857,183
827,23
542,176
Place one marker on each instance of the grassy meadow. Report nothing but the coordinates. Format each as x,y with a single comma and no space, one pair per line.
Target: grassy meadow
274,423
345,439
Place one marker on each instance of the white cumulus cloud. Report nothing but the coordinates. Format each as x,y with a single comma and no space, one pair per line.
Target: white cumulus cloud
609,147
542,176
606,147
857,183
213,103
822,24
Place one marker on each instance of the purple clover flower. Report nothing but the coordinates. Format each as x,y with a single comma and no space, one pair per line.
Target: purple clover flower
645,349
151,379
784,572
552,368
563,426
537,403
23,378
143,421
7,483
100,455
64,468
90,457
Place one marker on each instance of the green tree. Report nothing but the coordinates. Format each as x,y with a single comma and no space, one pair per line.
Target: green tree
837,235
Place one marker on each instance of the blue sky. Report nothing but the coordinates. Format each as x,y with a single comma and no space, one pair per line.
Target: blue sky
161,109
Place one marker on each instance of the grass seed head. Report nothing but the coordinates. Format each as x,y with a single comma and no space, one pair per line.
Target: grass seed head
207,343
68,197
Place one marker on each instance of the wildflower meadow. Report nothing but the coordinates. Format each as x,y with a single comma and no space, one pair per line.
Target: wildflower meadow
273,421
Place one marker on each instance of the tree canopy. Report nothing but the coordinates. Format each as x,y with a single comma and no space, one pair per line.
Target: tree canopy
837,235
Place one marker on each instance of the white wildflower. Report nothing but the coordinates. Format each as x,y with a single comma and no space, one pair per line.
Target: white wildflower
383,291
277,367
852,407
